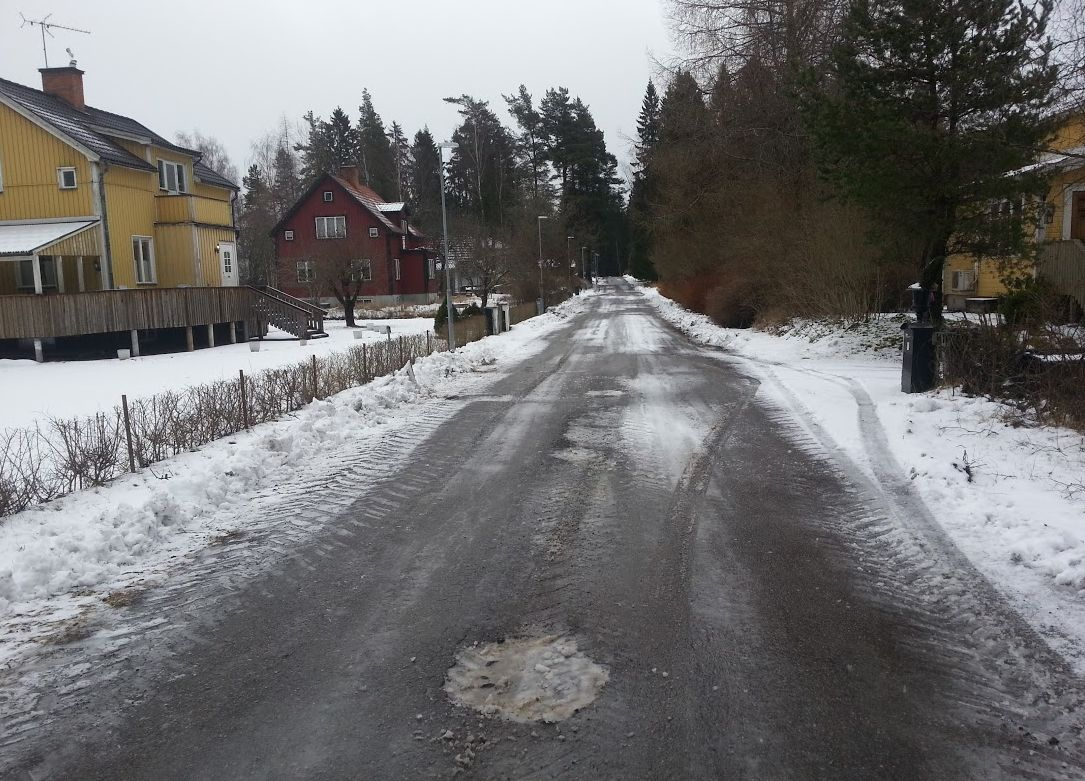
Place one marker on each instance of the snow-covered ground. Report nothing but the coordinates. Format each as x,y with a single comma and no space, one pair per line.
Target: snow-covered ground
58,558
1011,497
33,391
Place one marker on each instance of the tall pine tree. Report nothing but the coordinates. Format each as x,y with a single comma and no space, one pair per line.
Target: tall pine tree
926,108
376,159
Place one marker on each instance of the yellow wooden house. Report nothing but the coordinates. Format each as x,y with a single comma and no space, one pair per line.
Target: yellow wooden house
108,229
1061,230
92,200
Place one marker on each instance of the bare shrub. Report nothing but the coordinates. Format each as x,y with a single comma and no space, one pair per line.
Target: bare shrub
85,451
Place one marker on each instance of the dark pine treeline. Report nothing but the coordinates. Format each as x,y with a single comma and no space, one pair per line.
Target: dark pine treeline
814,157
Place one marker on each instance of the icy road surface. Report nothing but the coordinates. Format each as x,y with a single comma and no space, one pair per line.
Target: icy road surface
648,566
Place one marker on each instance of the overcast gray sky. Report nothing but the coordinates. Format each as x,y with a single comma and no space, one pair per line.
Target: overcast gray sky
231,68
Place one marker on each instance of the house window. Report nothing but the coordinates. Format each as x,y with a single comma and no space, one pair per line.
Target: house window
305,271
328,196
432,268
171,177
331,227
374,233
25,274
66,178
143,254
397,269
288,235
361,270
1,177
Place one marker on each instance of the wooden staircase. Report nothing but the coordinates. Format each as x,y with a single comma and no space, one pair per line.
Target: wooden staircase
296,317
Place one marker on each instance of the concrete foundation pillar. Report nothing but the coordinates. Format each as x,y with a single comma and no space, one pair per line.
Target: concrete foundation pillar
39,352
210,334
135,343
233,332
190,344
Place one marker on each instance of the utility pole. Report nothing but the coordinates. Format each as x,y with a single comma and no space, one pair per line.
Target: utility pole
542,284
448,276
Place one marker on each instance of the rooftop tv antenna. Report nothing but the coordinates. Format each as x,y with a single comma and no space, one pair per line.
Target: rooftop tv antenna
47,28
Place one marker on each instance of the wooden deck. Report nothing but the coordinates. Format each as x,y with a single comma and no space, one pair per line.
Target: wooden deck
74,314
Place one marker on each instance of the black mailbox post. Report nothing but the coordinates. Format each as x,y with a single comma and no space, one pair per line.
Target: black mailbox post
918,372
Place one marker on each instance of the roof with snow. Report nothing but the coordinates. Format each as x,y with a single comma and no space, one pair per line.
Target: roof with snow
398,206
95,130
25,238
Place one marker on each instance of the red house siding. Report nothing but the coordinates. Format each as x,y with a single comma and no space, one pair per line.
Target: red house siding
381,250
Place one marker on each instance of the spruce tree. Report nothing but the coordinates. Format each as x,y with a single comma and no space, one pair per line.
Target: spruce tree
376,160
927,108
425,162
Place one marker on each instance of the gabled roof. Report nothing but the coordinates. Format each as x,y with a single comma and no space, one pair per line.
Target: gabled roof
95,129
398,206
365,196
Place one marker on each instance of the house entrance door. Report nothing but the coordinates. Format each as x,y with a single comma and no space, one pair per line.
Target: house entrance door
228,261
1077,216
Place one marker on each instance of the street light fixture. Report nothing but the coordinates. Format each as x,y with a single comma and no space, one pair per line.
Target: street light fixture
542,293
444,223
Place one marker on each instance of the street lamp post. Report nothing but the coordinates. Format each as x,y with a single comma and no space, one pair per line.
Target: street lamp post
542,293
448,276
582,269
569,259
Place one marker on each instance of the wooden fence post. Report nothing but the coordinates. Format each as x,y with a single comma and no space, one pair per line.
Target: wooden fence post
316,381
365,367
429,342
244,400
128,434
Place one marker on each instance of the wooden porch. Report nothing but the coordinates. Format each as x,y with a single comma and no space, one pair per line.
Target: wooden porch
50,316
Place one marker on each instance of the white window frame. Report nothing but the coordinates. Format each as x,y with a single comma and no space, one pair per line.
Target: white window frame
144,260
288,235
66,169
328,196
24,273
180,177
374,233
305,271
1,176
397,270
361,270
322,224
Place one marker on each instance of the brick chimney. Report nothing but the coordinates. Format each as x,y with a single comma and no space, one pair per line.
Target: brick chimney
64,83
350,173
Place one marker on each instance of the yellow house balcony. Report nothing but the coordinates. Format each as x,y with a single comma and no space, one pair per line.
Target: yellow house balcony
180,209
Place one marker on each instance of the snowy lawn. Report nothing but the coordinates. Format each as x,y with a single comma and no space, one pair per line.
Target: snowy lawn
65,389
1012,497
57,558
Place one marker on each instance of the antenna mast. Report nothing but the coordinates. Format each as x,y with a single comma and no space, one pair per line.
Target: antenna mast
47,27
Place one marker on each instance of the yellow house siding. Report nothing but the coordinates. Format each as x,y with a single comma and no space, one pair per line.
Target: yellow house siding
29,158
131,212
176,256
210,238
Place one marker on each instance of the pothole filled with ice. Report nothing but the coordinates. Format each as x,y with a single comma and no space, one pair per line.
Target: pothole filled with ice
526,679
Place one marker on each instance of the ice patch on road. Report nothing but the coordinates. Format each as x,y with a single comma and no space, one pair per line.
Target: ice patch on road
526,679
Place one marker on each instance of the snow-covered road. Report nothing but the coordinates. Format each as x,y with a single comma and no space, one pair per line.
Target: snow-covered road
595,550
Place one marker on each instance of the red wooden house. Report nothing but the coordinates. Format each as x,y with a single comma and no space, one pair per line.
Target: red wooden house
339,216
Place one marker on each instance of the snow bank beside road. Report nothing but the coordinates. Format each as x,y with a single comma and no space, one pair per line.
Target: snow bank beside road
104,539
1009,496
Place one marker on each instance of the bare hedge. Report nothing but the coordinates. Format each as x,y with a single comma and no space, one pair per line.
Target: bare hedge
60,456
